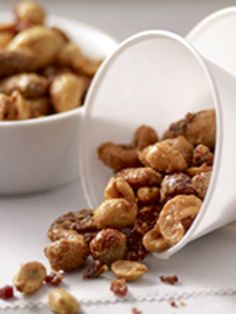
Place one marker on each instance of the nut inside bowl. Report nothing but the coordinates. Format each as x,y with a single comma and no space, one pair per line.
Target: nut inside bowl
153,78
40,154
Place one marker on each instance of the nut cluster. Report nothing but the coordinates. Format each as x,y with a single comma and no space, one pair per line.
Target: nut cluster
41,70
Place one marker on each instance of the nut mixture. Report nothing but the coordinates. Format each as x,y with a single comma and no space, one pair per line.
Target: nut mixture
48,71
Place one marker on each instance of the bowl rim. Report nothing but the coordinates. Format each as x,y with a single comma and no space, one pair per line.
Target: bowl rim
60,115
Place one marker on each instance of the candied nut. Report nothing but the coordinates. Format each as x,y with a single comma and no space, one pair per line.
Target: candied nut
5,104
67,253
30,85
29,11
201,182
128,270
115,213
202,154
148,195
54,278
140,177
181,144
192,171
118,157
119,288
19,108
66,92
5,38
41,41
198,128
146,218
109,245
171,280
62,302
174,212
30,277
163,157
95,270
87,67
144,136
153,240
69,54
178,183
119,188
39,107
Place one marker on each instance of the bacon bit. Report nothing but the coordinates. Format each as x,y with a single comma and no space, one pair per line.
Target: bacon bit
171,280
6,292
54,279
119,288
136,311
95,269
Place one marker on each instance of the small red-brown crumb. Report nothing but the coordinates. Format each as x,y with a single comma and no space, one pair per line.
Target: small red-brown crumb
171,280
54,279
119,288
136,311
95,270
6,292
173,303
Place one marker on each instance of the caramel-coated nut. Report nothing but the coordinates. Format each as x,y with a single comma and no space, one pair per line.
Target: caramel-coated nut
174,212
118,157
153,240
178,183
201,182
5,38
198,128
66,92
29,11
39,107
192,171
115,213
30,85
119,188
69,54
19,108
62,302
148,195
30,277
67,253
109,245
202,154
144,136
163,157
128,270
140,177
5,104
181,144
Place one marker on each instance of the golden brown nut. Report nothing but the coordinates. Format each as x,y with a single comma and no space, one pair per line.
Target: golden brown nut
62,302
115,213
5,38
181,144
30,85
153,240
30,277
69,54
162,157
140,177
119,188
201,183
109,245
144,136
192,171
66,92
118,157
67,253
198,128
87,67
39,107
29,11
17,108
5,104
202,154
148,195
174,212
42,42
178,183
128,270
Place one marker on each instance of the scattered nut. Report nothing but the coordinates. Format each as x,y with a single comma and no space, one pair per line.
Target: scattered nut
144,136
30,277
128,270
119,288
62,302
119,188
201,182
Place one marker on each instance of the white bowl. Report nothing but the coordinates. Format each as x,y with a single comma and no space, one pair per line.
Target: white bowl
40,154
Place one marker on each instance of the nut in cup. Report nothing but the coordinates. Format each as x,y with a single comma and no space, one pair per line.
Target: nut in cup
155,78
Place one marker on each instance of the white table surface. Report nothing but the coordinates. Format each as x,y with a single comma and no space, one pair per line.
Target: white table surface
121,19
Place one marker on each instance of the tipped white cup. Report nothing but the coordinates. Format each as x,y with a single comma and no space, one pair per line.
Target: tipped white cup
155,78
40,154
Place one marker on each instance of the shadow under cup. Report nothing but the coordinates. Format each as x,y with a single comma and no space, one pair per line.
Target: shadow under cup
155,78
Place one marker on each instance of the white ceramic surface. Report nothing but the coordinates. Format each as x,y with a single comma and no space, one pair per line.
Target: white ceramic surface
155,78
41,154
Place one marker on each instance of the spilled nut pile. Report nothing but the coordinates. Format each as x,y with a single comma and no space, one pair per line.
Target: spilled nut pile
41,70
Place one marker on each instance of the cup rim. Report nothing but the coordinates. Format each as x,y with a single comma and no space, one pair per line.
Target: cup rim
60,115
216,103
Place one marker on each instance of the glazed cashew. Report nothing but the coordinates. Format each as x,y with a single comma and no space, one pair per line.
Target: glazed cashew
62,302
153,240
174,212
119,188
144,136
66,92
115,213
29,11
181,144
128,270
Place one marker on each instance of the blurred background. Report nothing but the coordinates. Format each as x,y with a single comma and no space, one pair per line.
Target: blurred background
122,18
